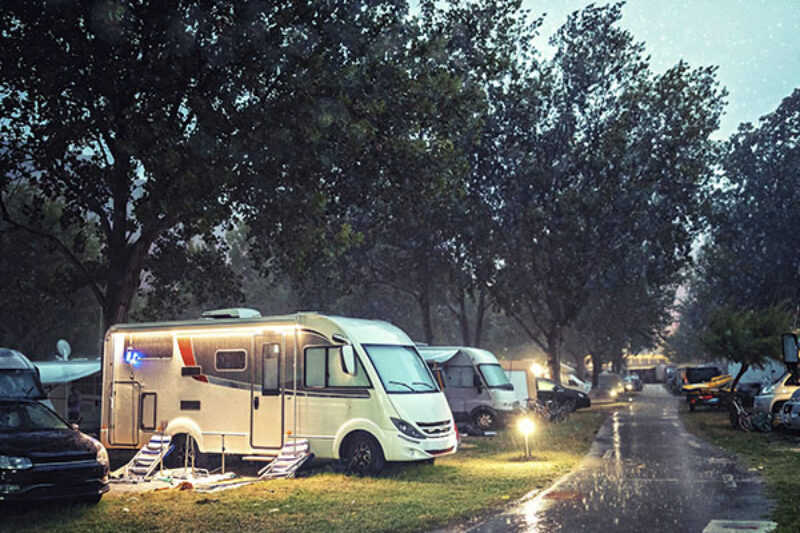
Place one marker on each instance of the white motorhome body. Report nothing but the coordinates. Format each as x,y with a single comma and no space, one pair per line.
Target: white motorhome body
253,383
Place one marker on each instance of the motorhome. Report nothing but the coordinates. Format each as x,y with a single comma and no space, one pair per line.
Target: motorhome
357,390
523,373
475,385
19,378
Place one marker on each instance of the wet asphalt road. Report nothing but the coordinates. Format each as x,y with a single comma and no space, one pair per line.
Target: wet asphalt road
645,472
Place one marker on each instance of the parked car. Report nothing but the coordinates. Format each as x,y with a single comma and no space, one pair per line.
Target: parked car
574,382
772,397
609,385
19,378
548,391
476,387
42,457
633,383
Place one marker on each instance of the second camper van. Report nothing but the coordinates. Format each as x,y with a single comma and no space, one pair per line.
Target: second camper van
476,386
357,390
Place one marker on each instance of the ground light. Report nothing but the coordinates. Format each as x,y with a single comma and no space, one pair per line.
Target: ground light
526,427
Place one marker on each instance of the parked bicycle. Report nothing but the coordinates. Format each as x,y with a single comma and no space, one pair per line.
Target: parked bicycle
551,411
740,417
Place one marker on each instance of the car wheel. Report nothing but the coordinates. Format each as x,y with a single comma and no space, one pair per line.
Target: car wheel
90,500
570,405
691,407
484,420
363,455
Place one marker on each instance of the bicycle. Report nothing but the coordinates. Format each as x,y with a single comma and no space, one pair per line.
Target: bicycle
740,417
550,411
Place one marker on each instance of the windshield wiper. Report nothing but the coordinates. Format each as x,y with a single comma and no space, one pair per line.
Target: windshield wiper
406,385
422,383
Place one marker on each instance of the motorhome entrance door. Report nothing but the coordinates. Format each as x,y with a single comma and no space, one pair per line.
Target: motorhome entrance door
124,413
267,401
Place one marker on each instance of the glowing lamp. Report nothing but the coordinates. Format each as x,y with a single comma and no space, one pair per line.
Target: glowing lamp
132,357
526,427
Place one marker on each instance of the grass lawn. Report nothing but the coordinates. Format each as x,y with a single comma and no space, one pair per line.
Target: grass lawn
483,475
775,455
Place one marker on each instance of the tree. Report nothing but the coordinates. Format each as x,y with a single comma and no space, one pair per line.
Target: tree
152,124
601,157
750,337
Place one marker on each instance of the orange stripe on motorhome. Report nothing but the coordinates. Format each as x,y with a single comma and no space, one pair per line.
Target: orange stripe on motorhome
187,354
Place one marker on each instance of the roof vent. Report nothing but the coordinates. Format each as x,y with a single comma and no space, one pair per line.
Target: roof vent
234,312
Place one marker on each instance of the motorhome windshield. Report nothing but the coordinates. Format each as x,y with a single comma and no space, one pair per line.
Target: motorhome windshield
20,383
495,376
401,369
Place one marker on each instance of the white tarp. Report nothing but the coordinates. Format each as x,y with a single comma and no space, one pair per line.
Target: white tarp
58,372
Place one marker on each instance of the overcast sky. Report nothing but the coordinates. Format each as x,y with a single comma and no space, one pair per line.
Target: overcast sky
755,43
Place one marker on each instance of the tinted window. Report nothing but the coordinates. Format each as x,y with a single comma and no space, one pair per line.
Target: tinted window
459,376
19,384
315,367
324,369
699,375
230,360
28,417
545,385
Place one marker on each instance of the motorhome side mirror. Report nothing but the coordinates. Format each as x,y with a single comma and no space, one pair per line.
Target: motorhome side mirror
348,359
790,348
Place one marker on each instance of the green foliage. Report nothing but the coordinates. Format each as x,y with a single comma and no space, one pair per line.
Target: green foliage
746,336
601,163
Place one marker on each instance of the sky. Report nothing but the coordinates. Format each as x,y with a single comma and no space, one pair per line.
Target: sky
755,44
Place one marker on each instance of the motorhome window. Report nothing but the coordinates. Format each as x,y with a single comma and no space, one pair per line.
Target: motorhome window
315,360
701,374
230,360
324,369
150,345
401,369
495,377
270,370
337,378
460,376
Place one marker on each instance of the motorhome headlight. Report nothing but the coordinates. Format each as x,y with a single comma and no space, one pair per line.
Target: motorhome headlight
8,462
406,428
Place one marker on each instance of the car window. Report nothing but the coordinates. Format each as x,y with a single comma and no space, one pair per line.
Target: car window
28,417
545,385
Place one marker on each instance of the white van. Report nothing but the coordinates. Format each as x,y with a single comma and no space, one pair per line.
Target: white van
477,388
357,390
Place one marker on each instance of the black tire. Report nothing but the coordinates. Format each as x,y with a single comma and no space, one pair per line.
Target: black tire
177,457
570,405
484,420
363,455
691,407
90,500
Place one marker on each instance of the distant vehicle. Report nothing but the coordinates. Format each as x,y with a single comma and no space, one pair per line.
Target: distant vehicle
633,383
691,374
548,391
609,385
576,383
772,398
475,385
43,458
357,390
715,382
19,378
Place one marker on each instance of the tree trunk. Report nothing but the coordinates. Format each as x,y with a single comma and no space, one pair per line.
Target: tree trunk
554,354
580,366
739,375
463,318
427,323
479,319
597,367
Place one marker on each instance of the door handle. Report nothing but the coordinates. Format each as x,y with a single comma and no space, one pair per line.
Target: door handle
255,402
